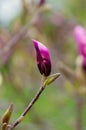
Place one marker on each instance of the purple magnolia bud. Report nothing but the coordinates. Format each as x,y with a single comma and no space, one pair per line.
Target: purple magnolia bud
41,2
80,36
43,58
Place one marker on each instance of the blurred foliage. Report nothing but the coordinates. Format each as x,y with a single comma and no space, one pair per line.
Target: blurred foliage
51,24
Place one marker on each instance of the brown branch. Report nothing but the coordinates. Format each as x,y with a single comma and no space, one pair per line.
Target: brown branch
46,81
6,51
16,38
75,81
21,34
69,74
79,109
28,108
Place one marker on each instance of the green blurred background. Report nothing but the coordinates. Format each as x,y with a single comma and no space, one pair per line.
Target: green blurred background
52,24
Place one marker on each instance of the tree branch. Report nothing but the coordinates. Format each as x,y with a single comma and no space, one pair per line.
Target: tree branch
7,50
79,111
28,108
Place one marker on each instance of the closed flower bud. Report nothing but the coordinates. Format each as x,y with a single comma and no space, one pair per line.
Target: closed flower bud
41,2
43,58
7,115
80,36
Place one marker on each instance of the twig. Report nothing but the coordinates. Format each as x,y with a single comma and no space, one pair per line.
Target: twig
16,38
28,108
45,81
79,109
75,81
69,74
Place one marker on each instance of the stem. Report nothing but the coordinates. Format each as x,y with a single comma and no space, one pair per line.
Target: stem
28,108
79,107
14,40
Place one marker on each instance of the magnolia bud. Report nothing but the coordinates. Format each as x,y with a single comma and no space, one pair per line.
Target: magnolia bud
43,58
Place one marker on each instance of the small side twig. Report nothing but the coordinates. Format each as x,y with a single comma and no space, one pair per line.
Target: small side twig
28,108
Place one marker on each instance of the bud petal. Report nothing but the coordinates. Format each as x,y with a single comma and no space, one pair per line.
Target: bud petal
43,58
41,2
80,36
